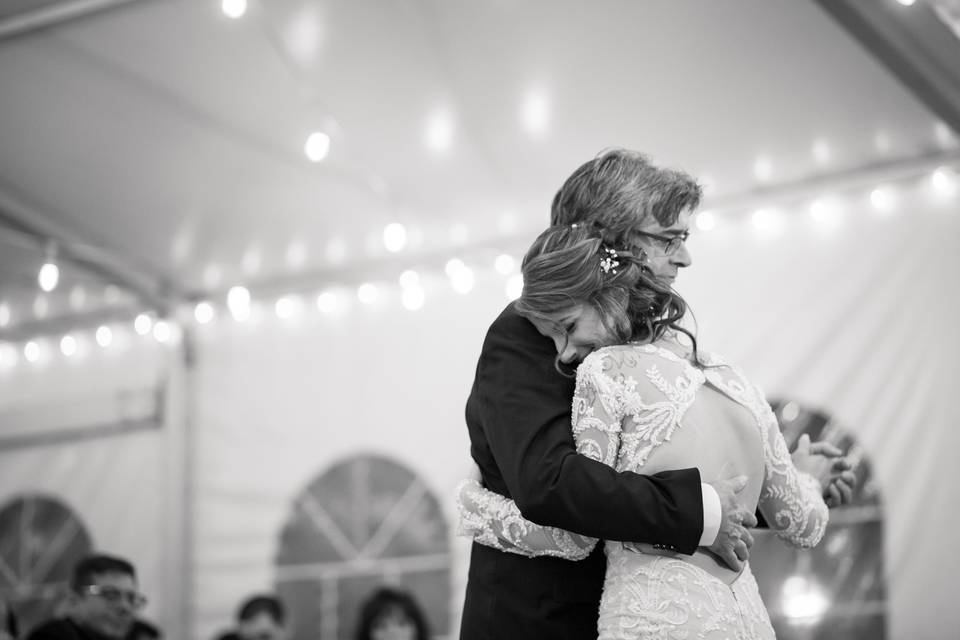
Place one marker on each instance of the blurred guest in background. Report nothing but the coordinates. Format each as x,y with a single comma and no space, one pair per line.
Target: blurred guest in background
103,602
260,617
389,614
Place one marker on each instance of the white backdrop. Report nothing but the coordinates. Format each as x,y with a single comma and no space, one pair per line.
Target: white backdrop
856,321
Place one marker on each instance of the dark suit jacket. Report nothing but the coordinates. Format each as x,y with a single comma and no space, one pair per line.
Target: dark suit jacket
64,629
518,416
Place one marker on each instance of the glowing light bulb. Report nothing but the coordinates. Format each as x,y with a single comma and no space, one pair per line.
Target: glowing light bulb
462,280
203,312
49,276
535,113
238,301
162,332
234,8
943,180
326,302
142,324
287,307
68,345
802,599
31,351
367,293
882,199
317,146
104,336
394,237
439,134
409,278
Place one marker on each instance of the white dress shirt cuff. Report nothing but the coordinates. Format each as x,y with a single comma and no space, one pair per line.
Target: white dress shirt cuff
712,512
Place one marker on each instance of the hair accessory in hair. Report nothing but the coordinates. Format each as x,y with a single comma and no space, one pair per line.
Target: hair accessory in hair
609,262
574,225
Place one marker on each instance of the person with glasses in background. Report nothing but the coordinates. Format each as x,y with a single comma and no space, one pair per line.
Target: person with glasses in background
103,602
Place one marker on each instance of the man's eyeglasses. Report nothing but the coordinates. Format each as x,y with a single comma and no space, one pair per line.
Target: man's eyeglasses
113,595
671,244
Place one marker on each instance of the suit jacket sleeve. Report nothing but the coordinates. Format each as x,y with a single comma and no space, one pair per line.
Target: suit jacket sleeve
523,404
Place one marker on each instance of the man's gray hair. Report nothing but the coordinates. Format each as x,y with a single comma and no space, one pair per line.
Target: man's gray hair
621,190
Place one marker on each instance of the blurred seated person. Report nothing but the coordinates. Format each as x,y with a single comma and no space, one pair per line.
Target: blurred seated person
103,602
260,617
8,622
391,614
143,630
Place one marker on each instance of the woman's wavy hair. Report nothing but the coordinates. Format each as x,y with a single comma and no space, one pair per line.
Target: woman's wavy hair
563,268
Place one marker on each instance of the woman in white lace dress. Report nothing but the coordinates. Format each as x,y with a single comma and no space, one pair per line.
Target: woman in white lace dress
644,402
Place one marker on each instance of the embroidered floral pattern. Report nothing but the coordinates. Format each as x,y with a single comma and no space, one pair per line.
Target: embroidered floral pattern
629,401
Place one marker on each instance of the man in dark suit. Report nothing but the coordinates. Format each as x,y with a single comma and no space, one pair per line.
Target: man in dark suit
103,602
518,417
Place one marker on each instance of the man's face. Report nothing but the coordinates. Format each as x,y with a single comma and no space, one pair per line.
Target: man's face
108,605
260,627
662,264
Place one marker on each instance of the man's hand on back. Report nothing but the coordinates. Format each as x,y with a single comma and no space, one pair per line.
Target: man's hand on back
733,541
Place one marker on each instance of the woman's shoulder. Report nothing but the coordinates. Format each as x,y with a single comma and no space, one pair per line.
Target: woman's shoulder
631,357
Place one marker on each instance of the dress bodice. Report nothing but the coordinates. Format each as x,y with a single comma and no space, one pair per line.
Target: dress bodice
648,408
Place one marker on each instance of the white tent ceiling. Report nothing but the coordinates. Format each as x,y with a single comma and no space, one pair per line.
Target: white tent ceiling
161,143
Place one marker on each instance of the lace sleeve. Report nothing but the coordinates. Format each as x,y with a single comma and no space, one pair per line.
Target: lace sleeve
790,501
495,521
597,410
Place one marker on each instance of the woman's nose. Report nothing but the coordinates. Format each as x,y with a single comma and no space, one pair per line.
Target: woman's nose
559,343
568,354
